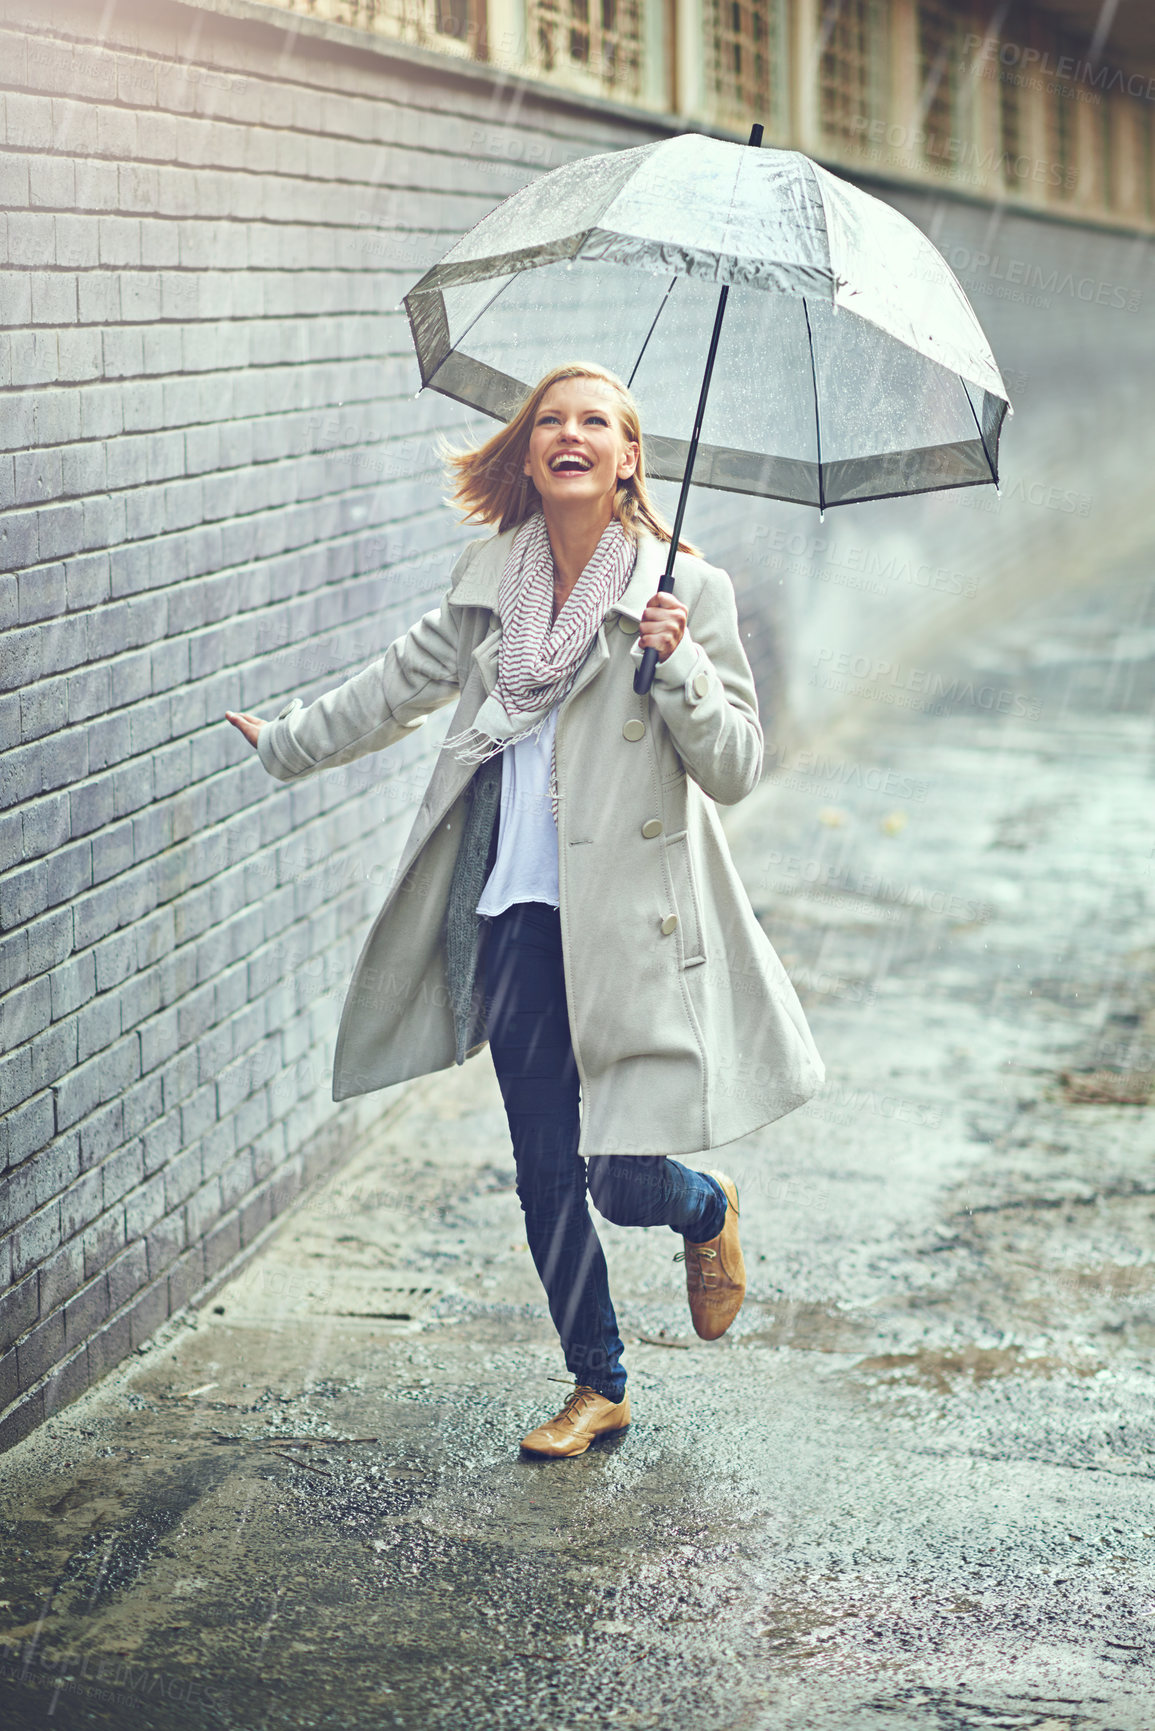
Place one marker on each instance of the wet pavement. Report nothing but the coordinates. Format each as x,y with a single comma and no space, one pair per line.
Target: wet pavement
913,1485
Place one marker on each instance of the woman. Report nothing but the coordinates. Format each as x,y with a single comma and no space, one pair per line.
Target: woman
566,894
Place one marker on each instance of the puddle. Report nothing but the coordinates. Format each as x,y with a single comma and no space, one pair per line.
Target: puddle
974,1365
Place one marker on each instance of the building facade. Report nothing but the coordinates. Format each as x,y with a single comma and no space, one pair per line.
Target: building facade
1013,103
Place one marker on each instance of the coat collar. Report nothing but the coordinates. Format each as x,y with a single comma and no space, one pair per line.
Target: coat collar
479,584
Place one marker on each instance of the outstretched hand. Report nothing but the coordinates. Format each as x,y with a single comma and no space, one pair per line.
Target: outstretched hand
249,725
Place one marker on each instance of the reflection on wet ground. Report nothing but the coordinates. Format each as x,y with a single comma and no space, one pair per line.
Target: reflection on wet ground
912,1486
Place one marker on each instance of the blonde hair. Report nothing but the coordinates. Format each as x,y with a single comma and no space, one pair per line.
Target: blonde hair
489,483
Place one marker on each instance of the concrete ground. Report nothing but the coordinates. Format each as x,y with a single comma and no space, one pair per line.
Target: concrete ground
912,1486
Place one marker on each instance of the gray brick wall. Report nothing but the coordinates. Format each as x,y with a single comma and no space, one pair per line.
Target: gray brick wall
216,491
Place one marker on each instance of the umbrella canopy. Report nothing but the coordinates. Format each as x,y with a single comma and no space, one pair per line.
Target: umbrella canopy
851,366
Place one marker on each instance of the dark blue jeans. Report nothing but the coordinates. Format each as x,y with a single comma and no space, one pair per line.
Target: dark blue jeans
529,1038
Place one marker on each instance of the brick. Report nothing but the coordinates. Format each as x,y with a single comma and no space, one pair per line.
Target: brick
45,825
77,1094
122,352
221,1246
164,1243
19,540
63,644
40,1350
69,871
67,1382
54,1168
44,707
101,411
33,352
144,1206
102,1241
41,593
73,984
60,1277
127,1275
25,1012
13,960
57,417
82,471
77,242
97,1025
50,941
15,287
112,848
25,891
52,1054
109,742
158,1039
79,354
61,530
87,1311
186,1278
52,183
27,1129
139,997
19,1311
97,186
87,584
98,298
122,1171
15,1078
34,1239
110,1345
20,1421
81,1204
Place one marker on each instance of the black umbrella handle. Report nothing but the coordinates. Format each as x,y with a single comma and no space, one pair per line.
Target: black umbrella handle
644,675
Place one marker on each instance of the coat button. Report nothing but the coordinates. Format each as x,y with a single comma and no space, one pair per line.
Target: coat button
668,924
293,704
701,684
652,827
630,625
634,730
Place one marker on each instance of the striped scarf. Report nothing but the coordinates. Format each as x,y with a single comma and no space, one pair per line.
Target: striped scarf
539,661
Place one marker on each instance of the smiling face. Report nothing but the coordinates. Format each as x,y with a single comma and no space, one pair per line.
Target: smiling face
578,450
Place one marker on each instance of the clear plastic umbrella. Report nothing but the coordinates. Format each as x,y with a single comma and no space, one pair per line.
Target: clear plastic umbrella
851,366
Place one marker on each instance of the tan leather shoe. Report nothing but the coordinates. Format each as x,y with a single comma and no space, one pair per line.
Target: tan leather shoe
716,1272
585,1415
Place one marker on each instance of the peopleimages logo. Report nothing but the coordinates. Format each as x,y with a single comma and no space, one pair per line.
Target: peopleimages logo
1032,277
1098,75
922,688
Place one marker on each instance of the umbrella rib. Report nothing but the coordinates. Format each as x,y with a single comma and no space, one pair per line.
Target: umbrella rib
978,428
817,420
649,334
455,347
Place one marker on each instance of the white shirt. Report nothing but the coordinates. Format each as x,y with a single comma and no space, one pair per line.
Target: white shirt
525,869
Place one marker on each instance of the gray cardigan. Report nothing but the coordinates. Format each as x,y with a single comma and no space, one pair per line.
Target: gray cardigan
464,936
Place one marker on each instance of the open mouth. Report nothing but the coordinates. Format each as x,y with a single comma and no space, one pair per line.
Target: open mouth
569,463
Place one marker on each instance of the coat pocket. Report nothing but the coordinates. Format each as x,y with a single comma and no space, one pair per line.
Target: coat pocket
687,904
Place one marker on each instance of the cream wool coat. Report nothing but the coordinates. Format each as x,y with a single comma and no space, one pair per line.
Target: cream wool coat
685,1027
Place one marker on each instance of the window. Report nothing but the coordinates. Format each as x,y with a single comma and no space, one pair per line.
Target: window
596,42
852,70
940,105
745,55
445,24
1062,143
